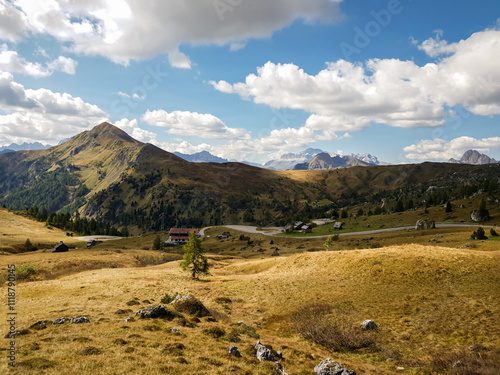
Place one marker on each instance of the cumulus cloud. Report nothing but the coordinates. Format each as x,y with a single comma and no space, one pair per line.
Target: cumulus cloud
132,128
124,30
11,62
348,97
439,149
193,124
435,46
42,115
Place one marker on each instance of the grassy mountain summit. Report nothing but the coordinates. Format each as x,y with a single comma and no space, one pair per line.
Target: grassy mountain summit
104,173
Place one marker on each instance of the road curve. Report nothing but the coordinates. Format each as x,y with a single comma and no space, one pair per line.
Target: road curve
273,231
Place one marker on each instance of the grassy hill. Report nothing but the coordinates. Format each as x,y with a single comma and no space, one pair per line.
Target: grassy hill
104,173
431,304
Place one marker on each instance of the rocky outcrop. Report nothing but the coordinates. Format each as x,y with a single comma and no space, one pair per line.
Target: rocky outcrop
42,324
263,353
80,319
233,350
153,312
59,321
190,305
330,367
425,224
368,325
480,216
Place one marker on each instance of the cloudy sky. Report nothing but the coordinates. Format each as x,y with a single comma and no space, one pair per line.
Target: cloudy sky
404,80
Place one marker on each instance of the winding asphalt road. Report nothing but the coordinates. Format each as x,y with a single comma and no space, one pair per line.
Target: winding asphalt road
273,231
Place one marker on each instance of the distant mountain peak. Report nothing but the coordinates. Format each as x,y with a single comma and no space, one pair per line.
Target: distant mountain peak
473,157
201,157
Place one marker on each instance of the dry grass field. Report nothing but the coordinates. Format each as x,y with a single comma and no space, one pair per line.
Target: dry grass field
431,303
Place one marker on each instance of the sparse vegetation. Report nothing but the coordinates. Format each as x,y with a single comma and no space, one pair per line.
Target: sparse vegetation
330,327
194,259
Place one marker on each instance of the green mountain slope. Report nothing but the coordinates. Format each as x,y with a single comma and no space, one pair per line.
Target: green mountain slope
104,173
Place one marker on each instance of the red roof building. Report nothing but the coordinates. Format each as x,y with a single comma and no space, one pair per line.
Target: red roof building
180,235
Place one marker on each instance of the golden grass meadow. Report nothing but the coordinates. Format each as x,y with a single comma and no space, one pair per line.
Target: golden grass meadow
434,305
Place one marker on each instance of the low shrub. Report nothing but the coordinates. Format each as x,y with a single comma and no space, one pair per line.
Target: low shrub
331,327
25,271
466,362
166,299
215,332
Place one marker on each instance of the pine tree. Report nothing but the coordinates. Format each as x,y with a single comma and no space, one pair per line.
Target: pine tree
448,207
157,243
194,259
28,246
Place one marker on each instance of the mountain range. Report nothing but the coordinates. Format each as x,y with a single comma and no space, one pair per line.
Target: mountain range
106,174
473,157
326,161
24,146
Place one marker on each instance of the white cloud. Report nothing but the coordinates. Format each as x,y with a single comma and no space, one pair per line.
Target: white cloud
11,62
193,124
347,97
435,46
124,30
132,128
439,149
179,60
42,115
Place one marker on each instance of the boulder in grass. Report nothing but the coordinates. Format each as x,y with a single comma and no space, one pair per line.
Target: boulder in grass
233,350
154,312
42,324
59,321
263,353
368,325
330,367
190,305
80,319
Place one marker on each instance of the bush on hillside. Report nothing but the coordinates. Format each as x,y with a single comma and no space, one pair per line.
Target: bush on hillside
330,327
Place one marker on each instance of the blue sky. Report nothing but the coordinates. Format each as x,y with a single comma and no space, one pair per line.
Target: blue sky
407,80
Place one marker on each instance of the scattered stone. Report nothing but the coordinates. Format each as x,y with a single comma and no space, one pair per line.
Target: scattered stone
368,325
80,319
233,350
330,367
263,353
242,323
425,224
190,305
129,319
59,321
153,312
279,354
280,369
479,217
174,330
400,368
42,324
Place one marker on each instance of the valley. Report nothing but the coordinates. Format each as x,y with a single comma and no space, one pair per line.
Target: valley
433,293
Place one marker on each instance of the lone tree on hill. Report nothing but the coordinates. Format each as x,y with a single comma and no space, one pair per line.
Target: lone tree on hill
157,243
194,259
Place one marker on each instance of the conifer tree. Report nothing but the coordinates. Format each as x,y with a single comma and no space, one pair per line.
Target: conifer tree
194,259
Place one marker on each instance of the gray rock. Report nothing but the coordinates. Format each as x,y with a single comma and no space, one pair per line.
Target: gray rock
263,353
368,325
279,354
80,319
280,369
59,321
425,224
174,330
479,217
42,324
233,350
153,312
330,367
129,319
